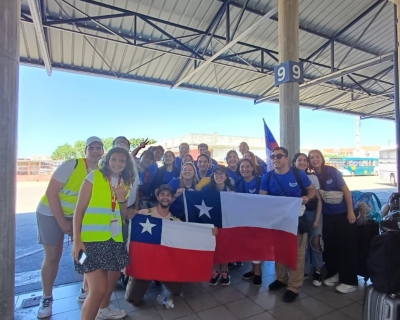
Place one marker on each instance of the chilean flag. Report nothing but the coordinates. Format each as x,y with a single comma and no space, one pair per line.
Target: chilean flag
270,144
251,226
173,251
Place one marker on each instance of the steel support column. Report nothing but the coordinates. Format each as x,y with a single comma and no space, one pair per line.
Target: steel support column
9,64
288,39
396,65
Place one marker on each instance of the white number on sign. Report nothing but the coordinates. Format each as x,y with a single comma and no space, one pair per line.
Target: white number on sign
281,73
296,72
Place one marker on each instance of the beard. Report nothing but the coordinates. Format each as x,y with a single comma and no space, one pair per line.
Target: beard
164,206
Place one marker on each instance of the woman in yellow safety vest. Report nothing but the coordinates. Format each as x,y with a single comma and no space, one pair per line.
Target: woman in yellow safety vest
97,232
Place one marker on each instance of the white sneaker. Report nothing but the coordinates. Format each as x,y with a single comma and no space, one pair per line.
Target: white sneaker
111,313
45,309
345,288
82,295
330,282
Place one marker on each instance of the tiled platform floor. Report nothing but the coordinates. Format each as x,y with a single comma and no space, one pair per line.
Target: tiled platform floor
240,300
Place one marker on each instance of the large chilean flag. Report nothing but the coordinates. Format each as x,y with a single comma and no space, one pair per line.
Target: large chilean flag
251,227
166,250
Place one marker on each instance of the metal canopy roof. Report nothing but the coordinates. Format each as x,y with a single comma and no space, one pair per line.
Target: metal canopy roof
346,47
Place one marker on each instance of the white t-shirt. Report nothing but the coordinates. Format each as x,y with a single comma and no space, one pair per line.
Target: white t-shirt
62,174
314,180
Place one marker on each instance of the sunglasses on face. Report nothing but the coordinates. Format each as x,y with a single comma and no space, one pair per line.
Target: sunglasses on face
279,156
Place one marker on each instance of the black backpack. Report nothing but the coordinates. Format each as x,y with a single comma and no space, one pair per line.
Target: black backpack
384,262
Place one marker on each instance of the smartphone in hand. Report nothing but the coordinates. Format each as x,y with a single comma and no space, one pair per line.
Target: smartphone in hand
81,257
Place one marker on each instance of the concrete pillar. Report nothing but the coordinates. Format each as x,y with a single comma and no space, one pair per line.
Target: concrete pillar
288,38
396,73
9,64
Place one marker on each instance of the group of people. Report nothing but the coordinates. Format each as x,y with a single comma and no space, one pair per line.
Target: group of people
92,200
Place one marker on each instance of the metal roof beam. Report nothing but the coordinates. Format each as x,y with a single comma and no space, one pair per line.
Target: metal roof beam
337,74
310,31
108,16
37,22
228,46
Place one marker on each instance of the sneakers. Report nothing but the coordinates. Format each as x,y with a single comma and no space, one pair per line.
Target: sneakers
276,285
289,296
82,295
214,278
345,288
225,279
317,282
111,313
330,282
45,308
248,275
305,276
257,281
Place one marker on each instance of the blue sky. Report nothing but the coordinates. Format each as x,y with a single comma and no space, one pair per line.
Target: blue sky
67,107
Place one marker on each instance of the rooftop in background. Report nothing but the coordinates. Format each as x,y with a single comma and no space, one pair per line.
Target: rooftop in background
346,47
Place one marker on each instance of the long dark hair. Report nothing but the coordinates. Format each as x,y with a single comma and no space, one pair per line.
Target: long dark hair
323,176
251,163
212,186
127,174
294,159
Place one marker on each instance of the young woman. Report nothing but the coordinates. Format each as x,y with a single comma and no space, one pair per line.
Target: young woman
219,181
339,228
232,159
313,256
97,232
258,168
157,152
166,172
187,158
203,166
250,183
186,181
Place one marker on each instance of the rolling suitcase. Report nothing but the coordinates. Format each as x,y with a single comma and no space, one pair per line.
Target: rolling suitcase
380,306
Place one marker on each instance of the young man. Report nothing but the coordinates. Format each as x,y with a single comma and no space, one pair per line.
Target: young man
54,216
244,147
137,288
184,149
282,182
203,149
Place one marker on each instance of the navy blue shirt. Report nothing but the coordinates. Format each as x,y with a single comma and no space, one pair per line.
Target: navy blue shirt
284,184
206,188
177,208
334,182
178,163
168,176
253,186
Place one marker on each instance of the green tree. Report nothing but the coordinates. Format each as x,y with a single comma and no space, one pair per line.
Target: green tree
63,152
79,148
136,141
107,143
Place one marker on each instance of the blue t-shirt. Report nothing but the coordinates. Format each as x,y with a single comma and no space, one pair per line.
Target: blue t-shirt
178,163
284,184
208,174
233,174
253,186
334,182
152,169
168,176
177,208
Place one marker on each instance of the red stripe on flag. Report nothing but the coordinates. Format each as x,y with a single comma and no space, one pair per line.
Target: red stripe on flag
250,243
157,262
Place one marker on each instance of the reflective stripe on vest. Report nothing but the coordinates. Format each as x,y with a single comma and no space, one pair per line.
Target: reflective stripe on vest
69,193
96,222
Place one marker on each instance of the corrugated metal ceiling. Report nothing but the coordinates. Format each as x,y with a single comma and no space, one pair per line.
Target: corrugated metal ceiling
159,42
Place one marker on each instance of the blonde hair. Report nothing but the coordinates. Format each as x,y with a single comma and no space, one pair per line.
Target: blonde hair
195,179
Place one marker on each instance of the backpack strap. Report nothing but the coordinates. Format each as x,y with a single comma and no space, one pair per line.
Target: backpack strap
149,213
378,202
298,179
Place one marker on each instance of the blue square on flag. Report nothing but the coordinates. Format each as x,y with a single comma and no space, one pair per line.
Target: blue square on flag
146,229
203,207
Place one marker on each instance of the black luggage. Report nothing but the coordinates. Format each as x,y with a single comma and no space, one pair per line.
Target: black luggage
380,306
365,233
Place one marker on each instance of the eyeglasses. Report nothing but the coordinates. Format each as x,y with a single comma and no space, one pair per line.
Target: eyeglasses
279,156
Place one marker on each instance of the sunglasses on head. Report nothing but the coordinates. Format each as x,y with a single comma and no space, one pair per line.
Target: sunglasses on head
279,156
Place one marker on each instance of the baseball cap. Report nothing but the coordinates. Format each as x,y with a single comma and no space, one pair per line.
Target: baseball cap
165,187
220,168
90,140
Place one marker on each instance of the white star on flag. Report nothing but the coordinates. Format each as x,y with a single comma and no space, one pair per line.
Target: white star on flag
147,226
204,209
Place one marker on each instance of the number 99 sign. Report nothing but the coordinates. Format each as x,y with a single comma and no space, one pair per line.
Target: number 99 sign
288,71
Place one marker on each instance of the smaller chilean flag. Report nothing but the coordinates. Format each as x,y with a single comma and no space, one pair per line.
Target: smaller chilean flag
172,251
270,144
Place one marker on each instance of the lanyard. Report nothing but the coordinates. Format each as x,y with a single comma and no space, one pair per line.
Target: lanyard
113,195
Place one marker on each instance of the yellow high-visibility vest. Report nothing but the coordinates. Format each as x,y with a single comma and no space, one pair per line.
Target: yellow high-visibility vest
69,193
96,223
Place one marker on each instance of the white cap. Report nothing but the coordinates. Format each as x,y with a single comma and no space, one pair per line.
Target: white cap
90,140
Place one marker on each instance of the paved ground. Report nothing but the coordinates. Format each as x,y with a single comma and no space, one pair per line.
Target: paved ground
29,254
